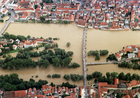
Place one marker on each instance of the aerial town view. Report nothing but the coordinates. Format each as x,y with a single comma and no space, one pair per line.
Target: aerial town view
69,49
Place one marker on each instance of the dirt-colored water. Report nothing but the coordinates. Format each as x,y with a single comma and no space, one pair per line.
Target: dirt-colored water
108,68
96,40
66,33
113,41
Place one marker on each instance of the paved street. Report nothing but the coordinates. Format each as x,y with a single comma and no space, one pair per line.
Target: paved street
84,63
8,22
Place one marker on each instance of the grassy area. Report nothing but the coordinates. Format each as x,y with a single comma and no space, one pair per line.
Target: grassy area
13,51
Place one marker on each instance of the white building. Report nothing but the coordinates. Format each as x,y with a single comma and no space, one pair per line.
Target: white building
29,44
131,55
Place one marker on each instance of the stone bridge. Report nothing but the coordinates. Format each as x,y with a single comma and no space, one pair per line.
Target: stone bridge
5,27
99,63
84,63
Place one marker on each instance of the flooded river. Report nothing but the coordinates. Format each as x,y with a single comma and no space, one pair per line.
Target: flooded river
113,41
96,40
66,33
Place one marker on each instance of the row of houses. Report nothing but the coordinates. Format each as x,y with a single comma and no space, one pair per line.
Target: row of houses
98,14
32,42
103,90
119,86
47,91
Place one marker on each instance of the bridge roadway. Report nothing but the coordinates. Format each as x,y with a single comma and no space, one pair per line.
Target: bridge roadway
5,27
84,63
8,22
100,63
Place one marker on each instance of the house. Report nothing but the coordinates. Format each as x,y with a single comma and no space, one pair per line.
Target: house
5,11
131,55
29,44
3,41
17,41
118,57
14,47
21,45
39,40
10,41
4,44
21,93
1,92
1,46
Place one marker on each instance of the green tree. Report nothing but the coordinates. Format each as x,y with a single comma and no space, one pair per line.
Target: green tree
67,77
119,95
9,13
7,87
56,61
114,75
36,6
28,36
49,76
108,74
46,63
66,61
121,76
42,18
50,38
68,44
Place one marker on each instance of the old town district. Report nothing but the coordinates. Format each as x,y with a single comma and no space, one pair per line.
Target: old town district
97,14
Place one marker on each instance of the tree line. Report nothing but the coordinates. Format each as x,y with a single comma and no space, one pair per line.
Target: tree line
111,57
73,77
12,82
97,53
58,57
110,76
134,64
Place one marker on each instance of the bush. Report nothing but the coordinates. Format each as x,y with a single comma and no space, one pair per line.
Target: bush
68,44
74,65
56,76
111,57
4,55
36,76
67,77
1,20
97,57
76,77
103,52
49,76
9,13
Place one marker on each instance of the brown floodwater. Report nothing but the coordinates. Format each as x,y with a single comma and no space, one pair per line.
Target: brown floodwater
96,40
113,41
66,33
108,68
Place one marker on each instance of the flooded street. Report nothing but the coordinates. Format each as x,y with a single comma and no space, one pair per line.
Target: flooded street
66,33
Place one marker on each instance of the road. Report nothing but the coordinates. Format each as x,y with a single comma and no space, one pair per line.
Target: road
12,15
8,22
84,63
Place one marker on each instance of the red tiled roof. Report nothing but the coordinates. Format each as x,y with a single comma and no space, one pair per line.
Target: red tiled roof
21,93
118,55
